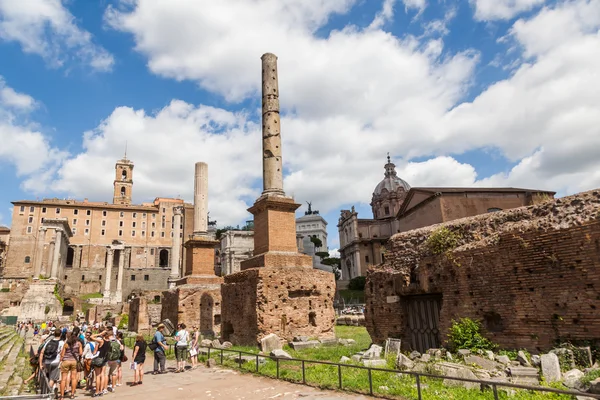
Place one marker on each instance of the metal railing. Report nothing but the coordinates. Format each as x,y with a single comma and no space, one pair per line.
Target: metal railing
494,385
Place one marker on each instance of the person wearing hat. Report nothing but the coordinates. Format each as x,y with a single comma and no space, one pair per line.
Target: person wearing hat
159,352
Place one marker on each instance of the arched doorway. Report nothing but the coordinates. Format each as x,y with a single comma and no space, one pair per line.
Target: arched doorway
163,258
68,307
70,257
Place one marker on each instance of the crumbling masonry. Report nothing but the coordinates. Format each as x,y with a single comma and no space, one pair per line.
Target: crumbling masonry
531,274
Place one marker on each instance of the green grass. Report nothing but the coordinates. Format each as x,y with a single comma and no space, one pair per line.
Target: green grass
87,296
352,296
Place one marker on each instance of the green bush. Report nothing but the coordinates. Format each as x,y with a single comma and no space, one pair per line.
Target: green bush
442,240
47,310
466,334
590,376
124,322
357,283
5,289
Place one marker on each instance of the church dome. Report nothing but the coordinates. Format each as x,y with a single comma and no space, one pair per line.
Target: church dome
391,182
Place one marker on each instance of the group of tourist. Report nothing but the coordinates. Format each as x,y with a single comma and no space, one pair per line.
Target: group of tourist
93,355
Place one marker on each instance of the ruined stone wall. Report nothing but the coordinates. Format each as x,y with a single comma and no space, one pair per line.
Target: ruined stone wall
282,300
530,275
194,305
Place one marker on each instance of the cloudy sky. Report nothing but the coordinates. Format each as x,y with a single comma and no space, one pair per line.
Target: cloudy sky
460,93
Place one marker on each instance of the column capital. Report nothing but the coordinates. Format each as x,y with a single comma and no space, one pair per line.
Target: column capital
177,210
110,251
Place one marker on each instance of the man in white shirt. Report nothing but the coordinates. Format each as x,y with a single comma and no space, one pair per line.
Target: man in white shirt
50,358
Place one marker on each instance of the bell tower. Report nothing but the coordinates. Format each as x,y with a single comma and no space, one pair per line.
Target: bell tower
123,181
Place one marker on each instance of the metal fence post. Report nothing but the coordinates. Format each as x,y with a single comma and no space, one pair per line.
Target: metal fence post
277,360
303,373
495,389
208,356
221,356
240,361
340,375
418,379
257,363
370,382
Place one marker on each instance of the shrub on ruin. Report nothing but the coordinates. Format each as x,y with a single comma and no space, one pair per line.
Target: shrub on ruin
442,240
357,283
124,323
466,334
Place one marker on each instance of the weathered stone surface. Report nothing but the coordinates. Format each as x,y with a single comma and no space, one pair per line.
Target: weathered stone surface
357,357
270,342
374,352
595,386
278,353
503,360
566,355
245,359
300,339
311,344
550,367
449,356
328,342
211,363
461,373
403,362
510,242
524,375
536,360
490,355
425,358
375,363
522,358
347,342
206,343
226,345
345,360
481,362
464,352
414,355
216,344
571,378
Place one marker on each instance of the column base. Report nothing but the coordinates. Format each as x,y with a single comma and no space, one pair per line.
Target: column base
278,259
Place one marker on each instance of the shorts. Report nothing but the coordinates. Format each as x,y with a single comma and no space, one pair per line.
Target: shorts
87,366
112,367
67,366
181,353
52,371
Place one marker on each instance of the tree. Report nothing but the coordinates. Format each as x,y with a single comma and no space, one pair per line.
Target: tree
335,264
316,241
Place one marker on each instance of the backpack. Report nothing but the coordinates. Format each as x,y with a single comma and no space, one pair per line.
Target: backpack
51,350
115,351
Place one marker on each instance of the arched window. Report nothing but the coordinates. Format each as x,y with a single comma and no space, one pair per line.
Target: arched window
124,175
123,191
27,259
70,257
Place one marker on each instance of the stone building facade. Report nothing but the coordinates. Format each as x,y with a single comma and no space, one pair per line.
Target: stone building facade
136,239
4,241
399,208
530,274
236,246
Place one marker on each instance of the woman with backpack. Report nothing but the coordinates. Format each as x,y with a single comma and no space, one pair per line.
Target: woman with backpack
69,357
99,362
181,348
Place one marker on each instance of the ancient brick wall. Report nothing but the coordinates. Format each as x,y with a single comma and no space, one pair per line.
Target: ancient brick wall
531,275
194,305
281,300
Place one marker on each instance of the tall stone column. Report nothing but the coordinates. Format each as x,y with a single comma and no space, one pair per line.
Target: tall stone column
201,199
271,131
176,249
109,263
119,294
39,253
56,257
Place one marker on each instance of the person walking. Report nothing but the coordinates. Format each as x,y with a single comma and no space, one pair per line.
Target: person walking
50,358
69,356
114,355
194,346
160,345
139,357
181,347
122,359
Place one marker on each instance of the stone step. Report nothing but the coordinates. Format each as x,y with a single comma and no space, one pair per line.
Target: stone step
9,363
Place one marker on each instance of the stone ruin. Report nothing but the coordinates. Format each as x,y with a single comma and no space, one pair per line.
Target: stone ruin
277,292
530,274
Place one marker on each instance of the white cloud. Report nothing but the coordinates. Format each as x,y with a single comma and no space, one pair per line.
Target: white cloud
164,147
385,15
419,5
47,28
348,98
23,146
488,10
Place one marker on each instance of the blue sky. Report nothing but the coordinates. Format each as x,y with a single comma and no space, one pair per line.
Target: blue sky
486,93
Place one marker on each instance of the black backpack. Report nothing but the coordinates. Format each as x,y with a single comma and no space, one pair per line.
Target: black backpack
51,350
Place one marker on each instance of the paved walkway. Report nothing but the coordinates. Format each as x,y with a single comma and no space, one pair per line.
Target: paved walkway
216,383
